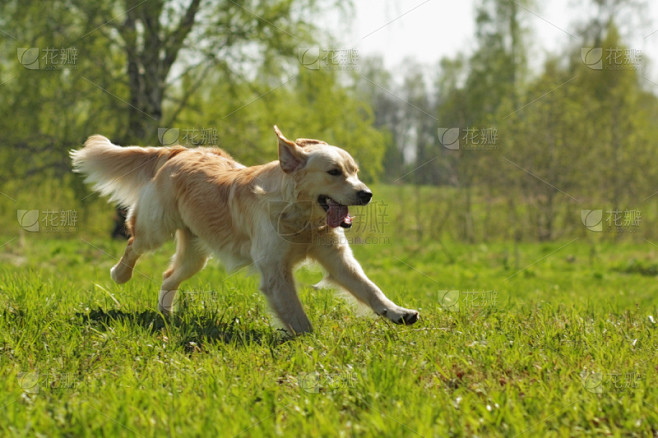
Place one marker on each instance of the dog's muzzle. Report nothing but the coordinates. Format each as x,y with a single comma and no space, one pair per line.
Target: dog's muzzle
364,196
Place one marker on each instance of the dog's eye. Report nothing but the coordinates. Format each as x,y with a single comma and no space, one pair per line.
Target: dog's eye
335,172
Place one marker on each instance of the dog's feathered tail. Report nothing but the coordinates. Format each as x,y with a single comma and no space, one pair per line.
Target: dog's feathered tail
120,172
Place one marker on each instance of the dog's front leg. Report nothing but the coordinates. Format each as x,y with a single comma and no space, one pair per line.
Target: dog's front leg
279,287
346,271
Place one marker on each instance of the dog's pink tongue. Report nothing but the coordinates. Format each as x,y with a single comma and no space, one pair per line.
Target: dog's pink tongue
337,214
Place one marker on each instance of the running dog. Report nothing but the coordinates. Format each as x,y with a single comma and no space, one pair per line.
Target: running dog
272,216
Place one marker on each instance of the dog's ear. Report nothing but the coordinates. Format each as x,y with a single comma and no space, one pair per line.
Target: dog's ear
291,156
307,141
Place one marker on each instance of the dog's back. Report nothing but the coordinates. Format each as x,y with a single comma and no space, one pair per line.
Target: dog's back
209,193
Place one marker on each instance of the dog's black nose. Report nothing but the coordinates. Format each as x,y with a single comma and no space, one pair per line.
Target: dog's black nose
364,196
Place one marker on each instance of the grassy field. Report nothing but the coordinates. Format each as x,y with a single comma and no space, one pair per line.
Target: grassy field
555,339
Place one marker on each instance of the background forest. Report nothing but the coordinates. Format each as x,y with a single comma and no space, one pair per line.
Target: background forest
519,154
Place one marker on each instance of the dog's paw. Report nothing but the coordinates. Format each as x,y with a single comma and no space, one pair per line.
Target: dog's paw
121,273
410,317
166,311
166,301
401,315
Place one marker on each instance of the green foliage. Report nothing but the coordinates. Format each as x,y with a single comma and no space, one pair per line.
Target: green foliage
164,64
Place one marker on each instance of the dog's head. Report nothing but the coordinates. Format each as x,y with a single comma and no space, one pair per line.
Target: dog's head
325,176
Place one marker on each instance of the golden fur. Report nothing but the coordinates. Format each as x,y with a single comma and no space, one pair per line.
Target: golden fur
273,215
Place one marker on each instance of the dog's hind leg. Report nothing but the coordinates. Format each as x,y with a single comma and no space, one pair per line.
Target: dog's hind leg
146,236
190,258
123,271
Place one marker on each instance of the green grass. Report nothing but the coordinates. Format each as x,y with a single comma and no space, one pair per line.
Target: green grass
553,339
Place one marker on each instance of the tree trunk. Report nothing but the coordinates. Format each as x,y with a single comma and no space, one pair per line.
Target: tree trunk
150,53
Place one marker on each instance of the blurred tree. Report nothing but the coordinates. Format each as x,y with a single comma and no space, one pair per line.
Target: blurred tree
375,85
545,144
136,66
623,131
581,137
226,36
630,15
494,73
498,66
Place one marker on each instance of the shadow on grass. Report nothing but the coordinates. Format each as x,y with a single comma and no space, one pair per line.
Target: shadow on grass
192,331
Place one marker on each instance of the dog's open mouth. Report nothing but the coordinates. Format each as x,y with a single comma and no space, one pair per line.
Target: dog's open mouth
337,214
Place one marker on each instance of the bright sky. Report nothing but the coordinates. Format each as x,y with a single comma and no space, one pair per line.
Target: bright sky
427,30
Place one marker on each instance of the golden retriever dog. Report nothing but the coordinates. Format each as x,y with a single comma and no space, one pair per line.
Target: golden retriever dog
272,216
